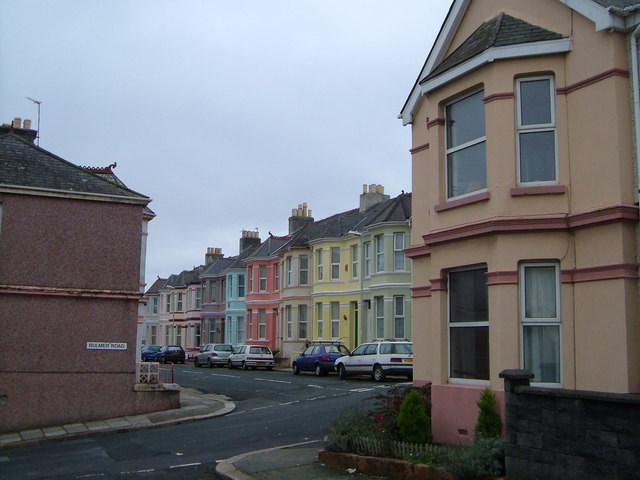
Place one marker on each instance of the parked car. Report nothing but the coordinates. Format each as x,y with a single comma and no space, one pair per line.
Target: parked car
171,353
319,358
253,356
213,354
378,359
148,353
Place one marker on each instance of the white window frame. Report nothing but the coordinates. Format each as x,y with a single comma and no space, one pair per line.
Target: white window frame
450,325
379,247
355,261
399,260
262,285
334,308
288,316
319,266
303,267
319,316
398,315
335,265
180,302
367,259
379,312
289,267
471,143
533,128
276,275
541,322
303,322
262,323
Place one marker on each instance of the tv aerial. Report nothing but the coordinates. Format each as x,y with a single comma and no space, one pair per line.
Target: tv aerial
37,102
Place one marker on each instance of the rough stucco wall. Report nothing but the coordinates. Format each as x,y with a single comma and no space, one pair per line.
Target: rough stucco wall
70,243
46,372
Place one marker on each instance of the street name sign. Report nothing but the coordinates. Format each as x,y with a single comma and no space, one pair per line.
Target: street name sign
106,346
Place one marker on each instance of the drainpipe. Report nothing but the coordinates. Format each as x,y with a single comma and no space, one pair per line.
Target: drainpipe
633,40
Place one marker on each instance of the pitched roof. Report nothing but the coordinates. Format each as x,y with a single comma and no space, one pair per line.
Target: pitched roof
268,247
24,165
500,31
618,3
156,286
217,267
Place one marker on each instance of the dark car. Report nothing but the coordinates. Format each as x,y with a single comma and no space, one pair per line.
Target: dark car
149,353
171,353
319,358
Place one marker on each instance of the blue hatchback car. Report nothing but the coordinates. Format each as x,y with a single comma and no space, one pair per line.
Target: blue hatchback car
319,358
149,353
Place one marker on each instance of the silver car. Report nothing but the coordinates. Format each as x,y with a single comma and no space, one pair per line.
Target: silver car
213,354
251,356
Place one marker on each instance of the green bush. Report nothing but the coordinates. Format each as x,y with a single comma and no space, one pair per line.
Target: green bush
489,422
385,414
413,422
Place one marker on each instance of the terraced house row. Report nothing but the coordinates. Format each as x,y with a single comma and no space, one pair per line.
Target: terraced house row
344,277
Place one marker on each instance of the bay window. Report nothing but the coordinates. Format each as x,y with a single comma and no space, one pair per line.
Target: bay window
469,324
536,142
541,320
466,164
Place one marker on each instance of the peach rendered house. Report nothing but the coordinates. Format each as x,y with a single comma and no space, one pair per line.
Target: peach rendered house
525,202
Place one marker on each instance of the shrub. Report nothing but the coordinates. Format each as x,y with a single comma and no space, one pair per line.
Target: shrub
345,427
413,422
385,414
481,460
489,422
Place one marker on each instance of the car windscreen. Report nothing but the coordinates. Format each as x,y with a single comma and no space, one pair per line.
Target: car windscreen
260,350
387,348
337,349
223,348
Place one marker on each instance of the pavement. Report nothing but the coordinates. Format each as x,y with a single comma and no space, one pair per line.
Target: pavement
282,463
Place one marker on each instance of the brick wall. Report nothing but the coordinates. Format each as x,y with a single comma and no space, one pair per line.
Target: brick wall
569,434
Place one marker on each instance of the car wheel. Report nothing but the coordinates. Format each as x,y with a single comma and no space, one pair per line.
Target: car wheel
342,372
318,370
244,365
229,364
209,364
196,363
296,369
378,373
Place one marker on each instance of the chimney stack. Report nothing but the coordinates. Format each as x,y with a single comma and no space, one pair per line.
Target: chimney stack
372,195
299,217
212,255
19,128
249,237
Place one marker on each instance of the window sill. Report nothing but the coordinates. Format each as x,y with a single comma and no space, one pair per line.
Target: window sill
478,197
539,190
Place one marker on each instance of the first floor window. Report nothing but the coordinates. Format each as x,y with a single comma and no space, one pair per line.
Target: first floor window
319,310
398,316
154,305
469,324
241,286
319,270
263,278
335,263
154,335
379,317
540,316
379,239
466,164
302,321
335,319
398,251
262,323
354,261
536,130
304,270
367,259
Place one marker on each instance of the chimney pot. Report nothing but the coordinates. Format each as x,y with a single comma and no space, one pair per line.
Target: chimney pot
16,122
26,124
364,188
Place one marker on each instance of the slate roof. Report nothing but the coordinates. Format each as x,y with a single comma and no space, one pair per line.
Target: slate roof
618,3
500,31
217,267
396,209
268,247
156,286
23,164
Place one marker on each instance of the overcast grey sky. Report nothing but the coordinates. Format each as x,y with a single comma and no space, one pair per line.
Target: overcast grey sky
228,114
